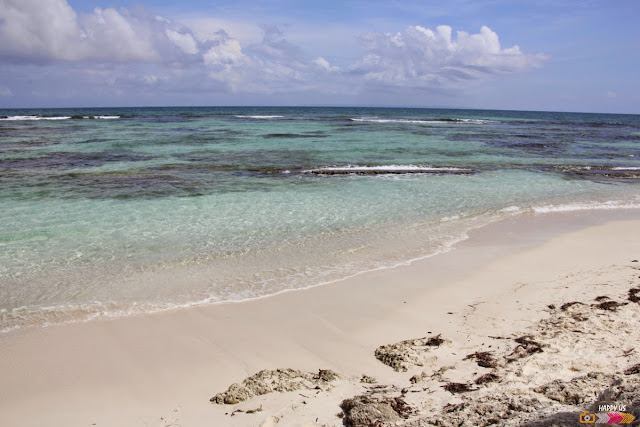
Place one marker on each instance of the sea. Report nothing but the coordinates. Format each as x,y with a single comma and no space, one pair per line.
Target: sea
109,212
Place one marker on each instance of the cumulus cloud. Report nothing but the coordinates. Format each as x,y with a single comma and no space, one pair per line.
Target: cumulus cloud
184,41
139,48
422,57
225,53
324,64
271,65
50,30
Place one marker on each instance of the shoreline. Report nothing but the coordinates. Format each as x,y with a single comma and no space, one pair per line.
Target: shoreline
94,310
152,369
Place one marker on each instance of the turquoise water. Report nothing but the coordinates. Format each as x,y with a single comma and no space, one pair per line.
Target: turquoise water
106,212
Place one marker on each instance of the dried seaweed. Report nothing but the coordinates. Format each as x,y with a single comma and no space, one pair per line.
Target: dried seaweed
483,358
566,305
609,305
635,369
435,341
486,378
458,388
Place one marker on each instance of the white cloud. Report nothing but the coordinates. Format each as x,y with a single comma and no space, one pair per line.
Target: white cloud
206,28
112,36
50,30
150,79
225,54
145,46
324,64
5,91
38,28
423,57
186,42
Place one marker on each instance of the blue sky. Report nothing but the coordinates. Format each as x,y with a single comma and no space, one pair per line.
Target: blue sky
532,55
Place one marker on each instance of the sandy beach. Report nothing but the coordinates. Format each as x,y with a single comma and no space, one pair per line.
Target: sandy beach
494,307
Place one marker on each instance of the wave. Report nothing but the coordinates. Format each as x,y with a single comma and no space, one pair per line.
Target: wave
419,121
572,207
614,172
26,118
240,116
385,169
23,118
95,117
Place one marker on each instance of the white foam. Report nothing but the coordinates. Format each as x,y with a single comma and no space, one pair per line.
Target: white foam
629,168
258,117
107,117
510,209
22,118
571,207
389,168
417,121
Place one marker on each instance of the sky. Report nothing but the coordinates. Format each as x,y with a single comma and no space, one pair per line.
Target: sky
569,55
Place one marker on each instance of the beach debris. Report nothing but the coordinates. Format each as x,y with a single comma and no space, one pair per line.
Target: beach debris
627,353
369,411
635,369
483,358
526,347
326,375
578,390
609,305
417,378
270,422
566,305
436,341
366,379
514,393
401,355
268,381
458,388
486,378
381,389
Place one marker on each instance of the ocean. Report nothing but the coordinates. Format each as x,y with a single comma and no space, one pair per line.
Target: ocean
119,211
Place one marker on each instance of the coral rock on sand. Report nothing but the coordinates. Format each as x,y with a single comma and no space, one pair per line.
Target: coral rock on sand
370,411
268,381
401,355
576,391
366,379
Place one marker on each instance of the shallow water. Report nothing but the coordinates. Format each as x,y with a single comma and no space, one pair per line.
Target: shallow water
116,211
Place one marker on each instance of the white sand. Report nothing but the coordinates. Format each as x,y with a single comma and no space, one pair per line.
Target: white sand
161,370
